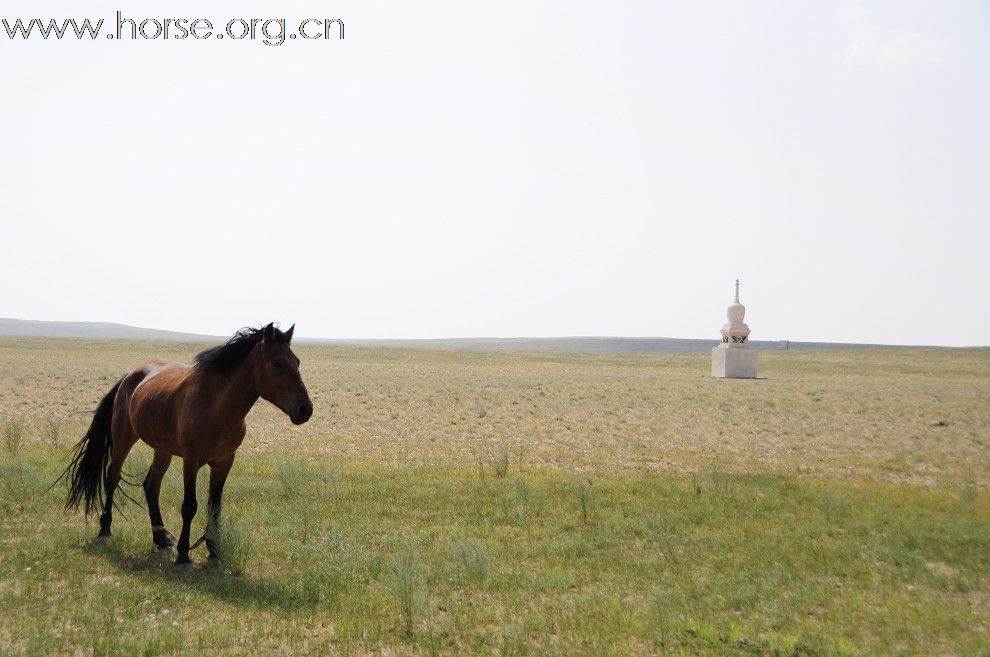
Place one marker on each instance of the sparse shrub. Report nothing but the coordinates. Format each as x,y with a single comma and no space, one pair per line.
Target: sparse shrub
513,640
968,495
373,567
431,642
585,496
516,504
331,579
482,474
330,482
834,508
13,435
409,588
721,482
53,430
20,479
899,557
293,475
233,544
480,493
471,560
554,578
660,606
305,522
500,462
661,534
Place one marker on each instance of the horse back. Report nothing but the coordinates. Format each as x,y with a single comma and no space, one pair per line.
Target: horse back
152,396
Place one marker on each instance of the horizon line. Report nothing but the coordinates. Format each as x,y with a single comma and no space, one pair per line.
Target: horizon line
194,337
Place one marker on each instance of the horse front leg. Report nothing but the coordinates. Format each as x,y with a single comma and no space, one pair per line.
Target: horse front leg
190,468
218,477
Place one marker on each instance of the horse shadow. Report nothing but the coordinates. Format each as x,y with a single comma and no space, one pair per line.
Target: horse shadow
156,566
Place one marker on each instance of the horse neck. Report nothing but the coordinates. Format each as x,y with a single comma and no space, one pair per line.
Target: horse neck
235,393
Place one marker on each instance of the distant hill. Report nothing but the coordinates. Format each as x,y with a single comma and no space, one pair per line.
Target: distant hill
28,328
583,345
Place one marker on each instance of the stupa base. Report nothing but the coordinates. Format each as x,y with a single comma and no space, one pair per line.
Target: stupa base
734,361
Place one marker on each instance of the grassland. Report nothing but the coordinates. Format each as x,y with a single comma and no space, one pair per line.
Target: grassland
499,504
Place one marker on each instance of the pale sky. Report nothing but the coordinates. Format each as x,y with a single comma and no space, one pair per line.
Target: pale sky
507,169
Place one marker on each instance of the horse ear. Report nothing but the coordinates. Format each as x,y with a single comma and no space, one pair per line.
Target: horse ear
288,334
269,333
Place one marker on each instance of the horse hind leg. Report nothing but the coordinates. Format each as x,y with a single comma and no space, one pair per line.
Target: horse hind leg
162,537
120,448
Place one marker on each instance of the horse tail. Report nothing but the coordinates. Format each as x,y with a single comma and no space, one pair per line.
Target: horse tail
91,459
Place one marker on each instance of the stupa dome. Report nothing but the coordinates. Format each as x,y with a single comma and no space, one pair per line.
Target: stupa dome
736,330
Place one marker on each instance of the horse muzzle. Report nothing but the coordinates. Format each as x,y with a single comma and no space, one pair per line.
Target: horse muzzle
301,413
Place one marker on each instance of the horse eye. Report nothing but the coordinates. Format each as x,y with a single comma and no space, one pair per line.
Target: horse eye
278,364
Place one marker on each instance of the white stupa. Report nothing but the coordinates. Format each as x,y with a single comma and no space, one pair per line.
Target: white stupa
734,358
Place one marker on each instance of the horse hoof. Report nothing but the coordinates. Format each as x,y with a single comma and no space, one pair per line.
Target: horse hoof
164,540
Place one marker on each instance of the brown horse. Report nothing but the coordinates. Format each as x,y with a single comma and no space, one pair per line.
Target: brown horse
195,412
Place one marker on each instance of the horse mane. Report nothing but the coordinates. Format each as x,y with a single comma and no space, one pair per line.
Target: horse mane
226,357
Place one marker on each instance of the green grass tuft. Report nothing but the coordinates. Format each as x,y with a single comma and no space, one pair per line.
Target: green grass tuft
234,545
294,474
407,584
471,560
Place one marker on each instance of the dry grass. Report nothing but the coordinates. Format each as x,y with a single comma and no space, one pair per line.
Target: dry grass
905,415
